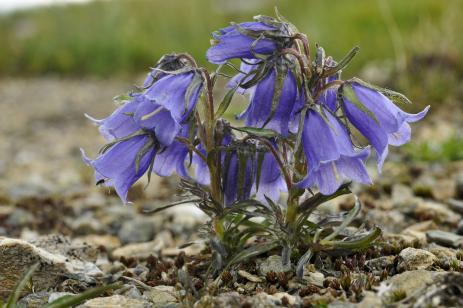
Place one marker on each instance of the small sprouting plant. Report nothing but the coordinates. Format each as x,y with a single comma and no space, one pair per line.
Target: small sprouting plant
260,177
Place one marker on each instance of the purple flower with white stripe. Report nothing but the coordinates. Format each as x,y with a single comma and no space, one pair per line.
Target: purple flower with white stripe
381,122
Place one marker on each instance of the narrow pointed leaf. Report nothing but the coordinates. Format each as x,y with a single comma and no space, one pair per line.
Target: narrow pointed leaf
226,101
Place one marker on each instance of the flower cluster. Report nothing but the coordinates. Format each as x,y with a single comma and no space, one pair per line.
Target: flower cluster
142,132
298,135
303,103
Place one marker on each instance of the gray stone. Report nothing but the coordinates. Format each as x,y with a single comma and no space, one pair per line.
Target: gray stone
315,278
16,256
460,228
144,250
85,224
415,259
445,238
136,231
456,205
160,296
56,295
273,264
115,301
249,276
443,254
436,211
20,217
34,300
381,263
408,281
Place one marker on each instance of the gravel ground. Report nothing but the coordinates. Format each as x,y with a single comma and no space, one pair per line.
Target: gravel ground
51,212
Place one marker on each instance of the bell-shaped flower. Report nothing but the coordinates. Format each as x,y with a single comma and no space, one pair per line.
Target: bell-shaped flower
271,112
377,118
120,123
331,157
178,93
245,40
124,163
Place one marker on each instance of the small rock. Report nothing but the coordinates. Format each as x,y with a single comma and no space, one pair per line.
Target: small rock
291,300
460,228
400,193
456,205
38,299
85,224
228,299
144,250
390,221
409,280
273,264
160,296
419,237
381,263
415,259
422,226
54,296
118,301
435,211
315,278
444,189
443,254
370,300
110,242
136,231
57,243
445,238
249,276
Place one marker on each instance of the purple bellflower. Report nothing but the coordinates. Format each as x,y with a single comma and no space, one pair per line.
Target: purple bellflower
382,123
271,182
232,42
331,157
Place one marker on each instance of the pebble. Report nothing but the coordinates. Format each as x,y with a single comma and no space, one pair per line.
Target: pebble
315,278
160,296
456,205
415,259
136,231
445,238
115,301
144,250
273,264
249,276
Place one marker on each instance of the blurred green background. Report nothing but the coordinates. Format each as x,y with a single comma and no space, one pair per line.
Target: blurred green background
104,38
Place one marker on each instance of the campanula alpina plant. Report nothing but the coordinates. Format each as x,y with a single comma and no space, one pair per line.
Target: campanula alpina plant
261,177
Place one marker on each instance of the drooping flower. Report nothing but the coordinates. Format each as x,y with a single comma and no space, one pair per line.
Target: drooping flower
124,163
244,40
331,157
177,93
379,120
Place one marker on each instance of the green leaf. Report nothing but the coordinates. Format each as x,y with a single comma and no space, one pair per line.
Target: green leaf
252,251
260,161
343,63
356,244
165,207
352,214
259,132
226,101
14,296
74,300
349,93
